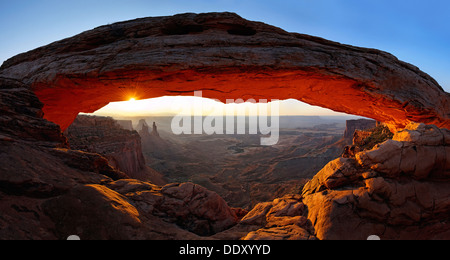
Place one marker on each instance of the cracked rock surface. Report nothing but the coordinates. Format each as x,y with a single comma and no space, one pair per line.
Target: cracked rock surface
398,190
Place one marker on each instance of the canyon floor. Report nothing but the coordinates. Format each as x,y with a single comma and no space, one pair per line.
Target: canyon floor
237,167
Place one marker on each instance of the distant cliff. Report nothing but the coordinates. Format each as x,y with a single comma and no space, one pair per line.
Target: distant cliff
105,136
126,124
360,124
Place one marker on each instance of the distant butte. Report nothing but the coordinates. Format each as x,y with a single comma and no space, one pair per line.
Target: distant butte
227,57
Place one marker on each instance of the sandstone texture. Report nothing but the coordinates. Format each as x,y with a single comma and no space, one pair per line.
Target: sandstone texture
138,210
104,136
398,190
361,124
122,148
50,192
190,206
227,57
21,117
282,219
367,140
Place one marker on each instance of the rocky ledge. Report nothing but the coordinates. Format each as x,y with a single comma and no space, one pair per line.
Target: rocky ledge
398,190
139,210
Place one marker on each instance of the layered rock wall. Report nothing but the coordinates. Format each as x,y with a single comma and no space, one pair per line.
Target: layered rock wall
353,125
104,136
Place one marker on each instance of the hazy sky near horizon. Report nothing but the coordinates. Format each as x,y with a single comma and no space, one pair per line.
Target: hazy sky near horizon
415,31
194,106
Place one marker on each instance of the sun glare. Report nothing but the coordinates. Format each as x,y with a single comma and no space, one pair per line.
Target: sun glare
170,106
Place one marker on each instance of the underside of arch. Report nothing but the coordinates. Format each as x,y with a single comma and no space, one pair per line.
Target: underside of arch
227,57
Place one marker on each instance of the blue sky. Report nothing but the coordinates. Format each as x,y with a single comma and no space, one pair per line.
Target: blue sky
415,31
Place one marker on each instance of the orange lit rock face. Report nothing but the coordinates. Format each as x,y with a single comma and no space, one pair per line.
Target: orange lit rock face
228,58
398,190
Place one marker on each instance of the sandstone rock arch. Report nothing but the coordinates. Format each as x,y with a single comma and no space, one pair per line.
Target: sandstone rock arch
226,57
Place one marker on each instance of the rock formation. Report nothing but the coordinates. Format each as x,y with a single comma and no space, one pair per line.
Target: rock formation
144,129
104,136
360,136
126,124
50,192
398,190
360,124
195,208
139,210
21,117
394,191
282,219
122,148
228,58
155,130
367,139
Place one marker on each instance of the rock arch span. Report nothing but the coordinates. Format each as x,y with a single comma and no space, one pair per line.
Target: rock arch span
226,56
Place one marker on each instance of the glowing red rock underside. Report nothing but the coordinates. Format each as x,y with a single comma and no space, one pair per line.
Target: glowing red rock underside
228,58
339,94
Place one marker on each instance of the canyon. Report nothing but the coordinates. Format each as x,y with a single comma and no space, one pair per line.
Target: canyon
399,189
237,167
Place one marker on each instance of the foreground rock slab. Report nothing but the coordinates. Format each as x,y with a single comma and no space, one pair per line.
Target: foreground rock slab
398,190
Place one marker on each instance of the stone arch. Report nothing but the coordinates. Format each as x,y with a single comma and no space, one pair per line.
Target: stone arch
226,56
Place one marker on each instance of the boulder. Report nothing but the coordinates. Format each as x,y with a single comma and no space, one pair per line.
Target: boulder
89,210
282,219
197,209
190,206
